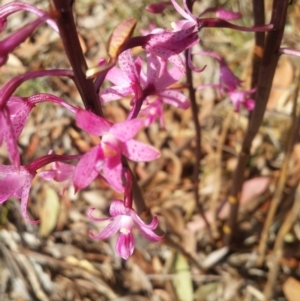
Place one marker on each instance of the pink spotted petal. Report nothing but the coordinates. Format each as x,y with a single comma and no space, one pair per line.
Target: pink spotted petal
111,229
88,168
115,93
19,110
24,200
169,55
127,129
112,171
139,152
128,66
9,137
9,184
175,98
117,207
92,123
125,245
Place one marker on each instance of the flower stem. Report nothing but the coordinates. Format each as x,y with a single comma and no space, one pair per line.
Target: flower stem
265,78
197,125
63,13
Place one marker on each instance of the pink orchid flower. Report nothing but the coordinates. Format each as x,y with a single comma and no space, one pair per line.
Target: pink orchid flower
130,79
153,111
122,219
230,84
126,79
116,141
242,97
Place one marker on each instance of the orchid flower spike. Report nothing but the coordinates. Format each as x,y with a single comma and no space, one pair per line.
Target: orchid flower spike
122,219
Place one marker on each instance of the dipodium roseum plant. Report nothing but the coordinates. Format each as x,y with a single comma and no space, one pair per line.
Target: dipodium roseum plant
158,76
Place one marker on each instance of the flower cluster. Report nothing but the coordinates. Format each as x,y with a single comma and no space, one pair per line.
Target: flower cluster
147,80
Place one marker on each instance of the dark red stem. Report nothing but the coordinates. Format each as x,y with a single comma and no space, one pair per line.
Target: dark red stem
62,12
265,78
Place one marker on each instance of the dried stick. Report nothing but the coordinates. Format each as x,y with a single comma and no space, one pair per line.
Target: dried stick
281,181
278,247
195,110
266,74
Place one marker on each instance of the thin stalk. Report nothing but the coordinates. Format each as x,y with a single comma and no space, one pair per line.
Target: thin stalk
62,11
259,38
266,74
197,125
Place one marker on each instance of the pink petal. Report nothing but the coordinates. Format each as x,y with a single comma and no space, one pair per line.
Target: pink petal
24,200
117,77
141,223
128,66
88,168
125,245
127,129
183,13
19,113
92,123
227,77
9,185
139,152
115,93
148,234
112,171
168,78
227,15
158,7
168,55
175,98
111,229
95,219
117,208
9,137
249,104
153,68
